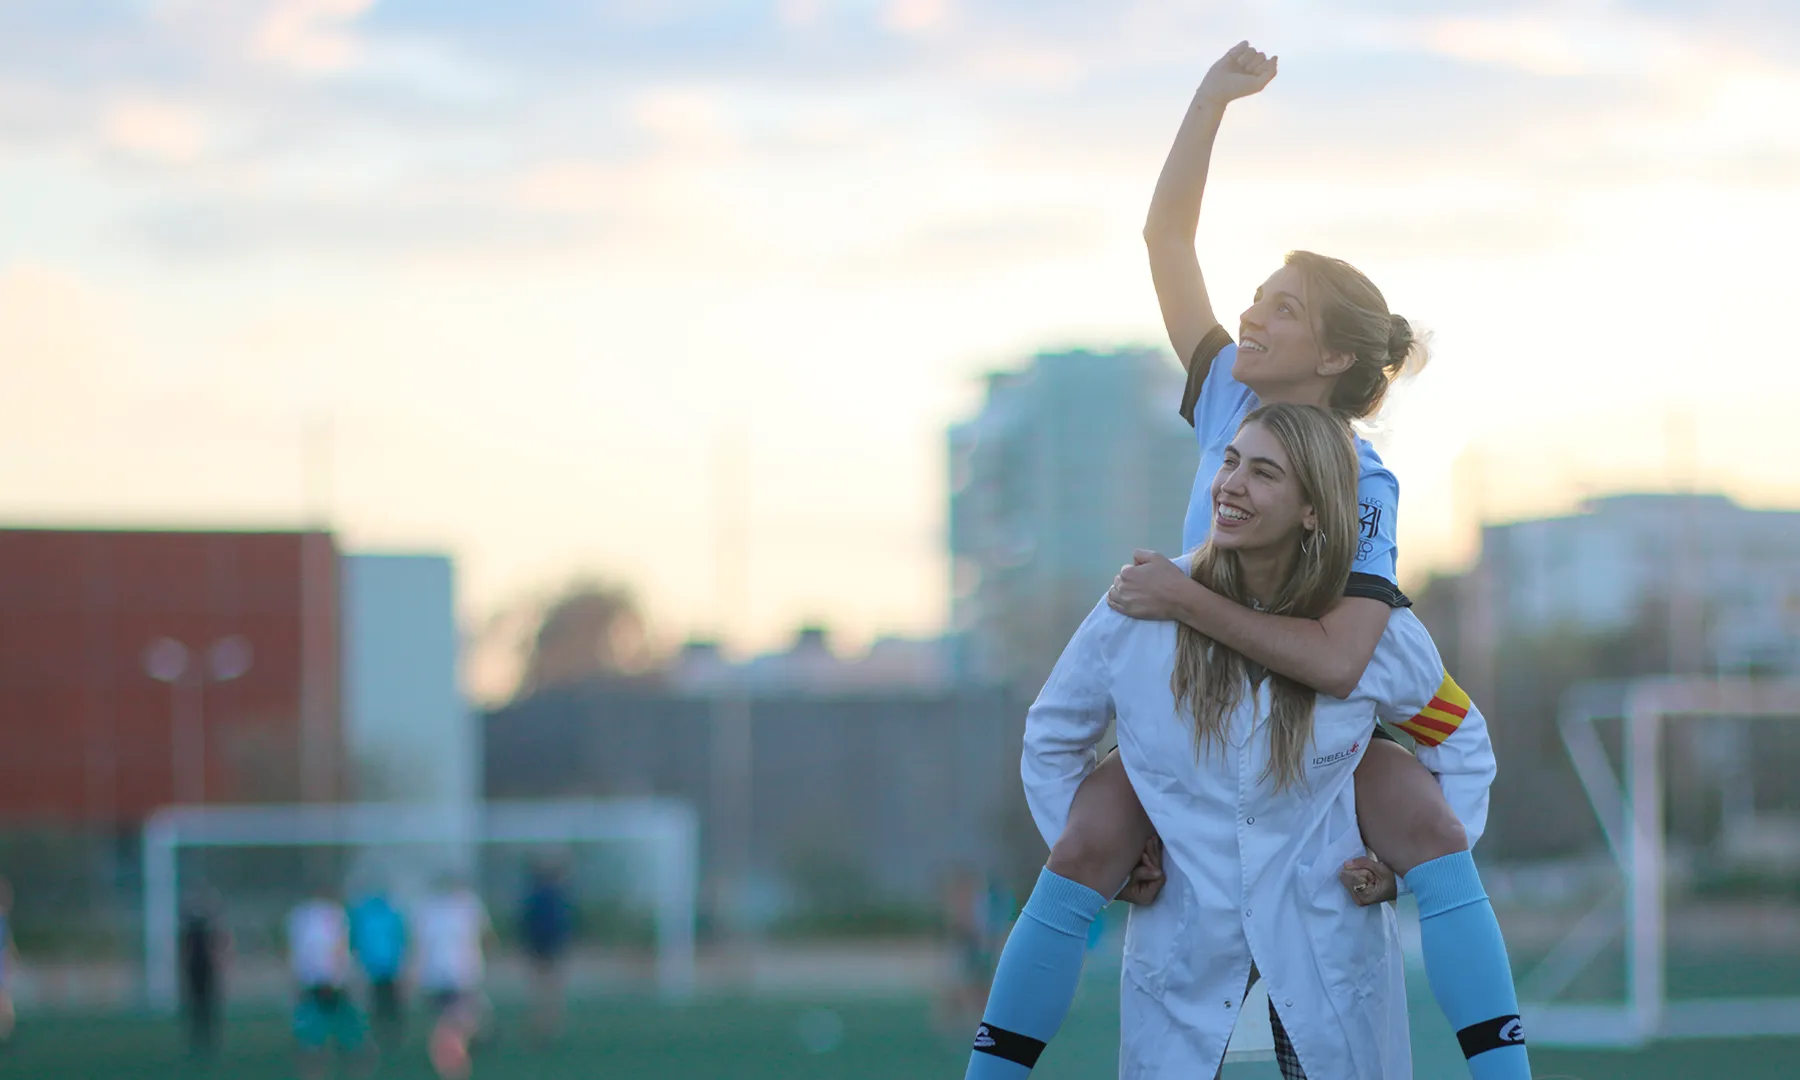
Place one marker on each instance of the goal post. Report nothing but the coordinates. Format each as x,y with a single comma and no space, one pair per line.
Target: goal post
667,830
1630,811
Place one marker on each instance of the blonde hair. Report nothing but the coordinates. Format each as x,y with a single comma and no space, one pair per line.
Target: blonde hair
1353,317
1209,678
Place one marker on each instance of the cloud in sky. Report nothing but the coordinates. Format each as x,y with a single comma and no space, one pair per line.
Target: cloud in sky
491,99
621,221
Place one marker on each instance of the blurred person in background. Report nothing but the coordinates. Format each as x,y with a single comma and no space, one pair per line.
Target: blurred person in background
378,941
1318,332
453,932
975,916
318,937
9,961
205,952
547,930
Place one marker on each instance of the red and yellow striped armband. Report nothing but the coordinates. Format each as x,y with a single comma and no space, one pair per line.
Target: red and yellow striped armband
1439,720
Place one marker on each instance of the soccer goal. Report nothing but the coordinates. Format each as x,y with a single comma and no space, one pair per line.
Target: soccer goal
1714,745
268,855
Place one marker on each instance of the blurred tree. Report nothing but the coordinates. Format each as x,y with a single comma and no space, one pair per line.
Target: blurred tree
590,629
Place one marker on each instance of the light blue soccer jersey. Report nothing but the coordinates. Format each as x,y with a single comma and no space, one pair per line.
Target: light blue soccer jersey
1219,409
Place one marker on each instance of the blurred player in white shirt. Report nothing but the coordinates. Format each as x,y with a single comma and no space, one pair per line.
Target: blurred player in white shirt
453,930
318,934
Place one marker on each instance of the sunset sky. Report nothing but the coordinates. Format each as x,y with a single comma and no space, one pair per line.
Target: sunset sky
525,281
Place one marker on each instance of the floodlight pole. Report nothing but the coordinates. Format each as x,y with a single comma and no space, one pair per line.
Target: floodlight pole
731,735
187,743
170,661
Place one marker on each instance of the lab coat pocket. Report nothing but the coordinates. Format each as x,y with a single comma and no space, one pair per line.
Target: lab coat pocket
1154,934
1350,941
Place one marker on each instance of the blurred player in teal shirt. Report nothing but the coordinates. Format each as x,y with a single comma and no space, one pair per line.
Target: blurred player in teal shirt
378,940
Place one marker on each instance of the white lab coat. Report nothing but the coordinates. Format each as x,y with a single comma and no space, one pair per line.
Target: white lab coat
1250,872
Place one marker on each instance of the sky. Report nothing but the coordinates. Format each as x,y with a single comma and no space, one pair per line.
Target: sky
533,283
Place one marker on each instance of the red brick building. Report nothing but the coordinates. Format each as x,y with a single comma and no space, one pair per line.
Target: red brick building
87,735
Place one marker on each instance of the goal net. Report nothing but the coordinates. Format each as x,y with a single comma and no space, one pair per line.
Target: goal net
1693,928
631,864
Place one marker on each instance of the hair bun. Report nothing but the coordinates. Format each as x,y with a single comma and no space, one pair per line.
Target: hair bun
1400,341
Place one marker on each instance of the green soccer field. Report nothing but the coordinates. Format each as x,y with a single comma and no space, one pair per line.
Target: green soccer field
797,1039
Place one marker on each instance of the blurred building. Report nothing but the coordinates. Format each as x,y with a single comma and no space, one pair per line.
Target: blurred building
91,736
848,783
1724,579
144,668
409,735
865,799
1560,613
1072,462
810,666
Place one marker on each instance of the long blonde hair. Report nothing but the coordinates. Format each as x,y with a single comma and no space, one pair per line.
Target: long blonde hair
1209,678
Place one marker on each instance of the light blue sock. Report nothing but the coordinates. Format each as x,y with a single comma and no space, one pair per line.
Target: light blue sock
1035,980
1465,959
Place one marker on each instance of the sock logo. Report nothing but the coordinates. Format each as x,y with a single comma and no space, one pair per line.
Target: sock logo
1007,1045
1491,1035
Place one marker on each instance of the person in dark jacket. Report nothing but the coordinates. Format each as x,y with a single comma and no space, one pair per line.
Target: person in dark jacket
205,949
547,929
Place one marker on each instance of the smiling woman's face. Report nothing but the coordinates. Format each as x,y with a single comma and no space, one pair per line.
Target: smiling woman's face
1278,346
1258,502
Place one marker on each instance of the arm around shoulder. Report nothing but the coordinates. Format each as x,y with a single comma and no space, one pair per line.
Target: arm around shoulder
1329,654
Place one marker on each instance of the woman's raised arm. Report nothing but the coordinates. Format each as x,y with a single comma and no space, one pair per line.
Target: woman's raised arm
1169,229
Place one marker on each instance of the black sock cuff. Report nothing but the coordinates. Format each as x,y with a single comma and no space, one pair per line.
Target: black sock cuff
1491,1035
1008,1045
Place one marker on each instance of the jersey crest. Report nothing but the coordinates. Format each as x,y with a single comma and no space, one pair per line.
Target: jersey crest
1368,527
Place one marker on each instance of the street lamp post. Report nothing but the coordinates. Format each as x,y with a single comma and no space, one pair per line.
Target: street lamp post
169,661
